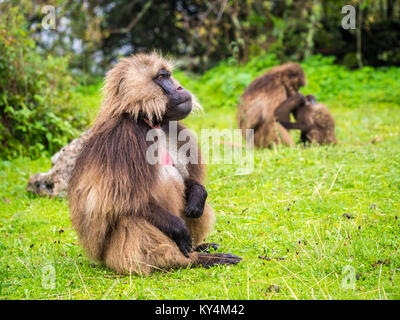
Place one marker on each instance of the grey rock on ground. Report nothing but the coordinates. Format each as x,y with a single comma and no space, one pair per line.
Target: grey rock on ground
54,183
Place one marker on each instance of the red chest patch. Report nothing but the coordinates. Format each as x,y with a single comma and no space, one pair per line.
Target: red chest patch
166,159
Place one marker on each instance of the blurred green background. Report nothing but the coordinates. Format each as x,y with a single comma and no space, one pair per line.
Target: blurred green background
40,68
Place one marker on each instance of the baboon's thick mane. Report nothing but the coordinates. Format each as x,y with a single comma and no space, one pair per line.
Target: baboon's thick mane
129,88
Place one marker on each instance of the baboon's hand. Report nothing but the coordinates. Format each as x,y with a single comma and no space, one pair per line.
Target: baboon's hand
299,98
180,234
195,201
205,247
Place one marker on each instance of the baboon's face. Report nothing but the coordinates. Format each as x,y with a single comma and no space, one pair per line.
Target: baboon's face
292,77
321,135
296,79
143,86
315,136
179,103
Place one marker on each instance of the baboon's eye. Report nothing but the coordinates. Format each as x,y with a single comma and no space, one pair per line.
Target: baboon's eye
163,74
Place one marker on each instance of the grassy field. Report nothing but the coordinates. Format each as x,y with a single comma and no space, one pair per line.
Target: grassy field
310,223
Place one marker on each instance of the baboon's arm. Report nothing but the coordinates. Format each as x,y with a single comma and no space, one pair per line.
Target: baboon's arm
294,125
196,196
195,193
172,226
283,111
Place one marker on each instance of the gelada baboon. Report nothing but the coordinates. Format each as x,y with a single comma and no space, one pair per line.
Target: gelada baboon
278,87
313,120
131,215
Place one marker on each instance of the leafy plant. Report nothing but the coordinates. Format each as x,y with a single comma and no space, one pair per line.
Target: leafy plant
37,110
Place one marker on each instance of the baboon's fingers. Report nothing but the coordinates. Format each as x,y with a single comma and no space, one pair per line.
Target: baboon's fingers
211,259
185,248
205,247
196,199
193,212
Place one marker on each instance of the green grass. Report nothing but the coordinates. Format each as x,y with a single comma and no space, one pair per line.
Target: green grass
319,210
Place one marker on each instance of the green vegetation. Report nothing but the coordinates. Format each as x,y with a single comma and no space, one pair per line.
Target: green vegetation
38,112
307,220
222,85
202,33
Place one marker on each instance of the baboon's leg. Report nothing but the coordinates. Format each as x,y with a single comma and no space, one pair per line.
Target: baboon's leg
282,136
265,135
199,228
138,247
282,112
207,260
272,133
303,137
171,225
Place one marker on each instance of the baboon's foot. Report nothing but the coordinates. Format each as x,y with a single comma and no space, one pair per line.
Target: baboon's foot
207,260
205,247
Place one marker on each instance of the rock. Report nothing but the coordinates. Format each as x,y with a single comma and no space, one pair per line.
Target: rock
54,183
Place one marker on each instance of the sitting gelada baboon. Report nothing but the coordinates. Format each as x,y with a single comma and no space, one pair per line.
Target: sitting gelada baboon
132,214
313,120
275,89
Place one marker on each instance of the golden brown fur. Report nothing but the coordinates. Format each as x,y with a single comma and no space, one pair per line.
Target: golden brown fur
113,187
319,125
262,97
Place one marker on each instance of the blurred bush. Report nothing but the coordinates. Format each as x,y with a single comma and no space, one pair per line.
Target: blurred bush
202,33
37,109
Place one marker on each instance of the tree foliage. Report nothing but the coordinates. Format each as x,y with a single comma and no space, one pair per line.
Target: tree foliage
204,32
37,110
